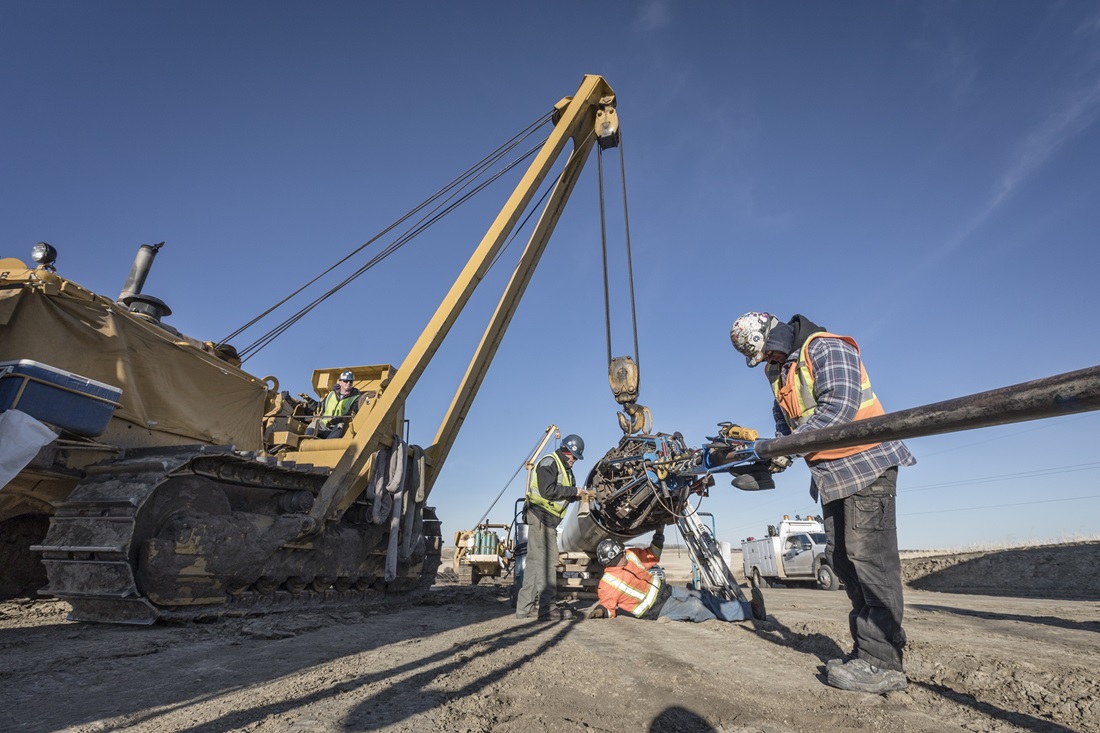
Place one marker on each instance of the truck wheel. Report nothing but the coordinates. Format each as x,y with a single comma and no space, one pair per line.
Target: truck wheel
757,580
826,578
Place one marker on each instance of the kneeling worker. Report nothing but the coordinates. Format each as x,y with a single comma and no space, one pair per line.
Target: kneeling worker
630,585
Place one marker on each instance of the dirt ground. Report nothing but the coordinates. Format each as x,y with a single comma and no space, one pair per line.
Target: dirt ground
998,641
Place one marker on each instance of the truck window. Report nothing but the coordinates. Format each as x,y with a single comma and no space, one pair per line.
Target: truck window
799,542
819,538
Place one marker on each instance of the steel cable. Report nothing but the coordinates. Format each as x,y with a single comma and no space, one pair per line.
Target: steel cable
629,255
447,192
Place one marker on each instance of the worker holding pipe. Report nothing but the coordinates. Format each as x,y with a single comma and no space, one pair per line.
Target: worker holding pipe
818,381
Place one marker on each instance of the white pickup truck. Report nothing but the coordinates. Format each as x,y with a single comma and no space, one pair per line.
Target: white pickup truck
793,551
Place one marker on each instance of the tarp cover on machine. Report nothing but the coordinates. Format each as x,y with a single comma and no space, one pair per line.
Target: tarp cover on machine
76,331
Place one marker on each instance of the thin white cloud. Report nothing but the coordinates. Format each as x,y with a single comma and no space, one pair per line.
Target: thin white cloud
951,61
1077,112
654,15
1090,25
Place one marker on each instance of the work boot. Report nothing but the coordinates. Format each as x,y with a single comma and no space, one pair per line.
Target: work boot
840,661
859,675
757,605
558,613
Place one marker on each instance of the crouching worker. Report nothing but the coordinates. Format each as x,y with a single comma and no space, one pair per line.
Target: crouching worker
629,585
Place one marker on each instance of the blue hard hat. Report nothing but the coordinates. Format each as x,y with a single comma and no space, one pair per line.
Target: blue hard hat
574,445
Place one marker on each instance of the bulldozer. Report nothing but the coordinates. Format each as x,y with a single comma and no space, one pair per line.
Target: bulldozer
151,477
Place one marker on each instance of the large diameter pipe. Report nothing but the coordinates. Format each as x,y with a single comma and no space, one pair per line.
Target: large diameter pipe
1062,394
582,533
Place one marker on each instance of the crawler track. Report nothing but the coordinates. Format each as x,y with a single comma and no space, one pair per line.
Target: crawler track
200,532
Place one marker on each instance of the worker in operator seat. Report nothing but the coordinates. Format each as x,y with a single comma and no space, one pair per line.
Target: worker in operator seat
551,490
337,409
819,380
631,583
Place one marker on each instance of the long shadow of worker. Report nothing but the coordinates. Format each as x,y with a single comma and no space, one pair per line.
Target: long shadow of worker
1021,720
822,646
413,692
375,712
676,719
825,648
1046,620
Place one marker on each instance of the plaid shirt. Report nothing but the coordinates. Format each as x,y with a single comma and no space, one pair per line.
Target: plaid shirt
837,391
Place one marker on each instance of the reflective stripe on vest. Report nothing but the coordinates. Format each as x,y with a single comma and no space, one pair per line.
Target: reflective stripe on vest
565,478
796,396
641,594
334,406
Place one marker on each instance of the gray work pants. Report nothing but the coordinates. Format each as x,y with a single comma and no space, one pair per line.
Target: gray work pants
863,551
540,569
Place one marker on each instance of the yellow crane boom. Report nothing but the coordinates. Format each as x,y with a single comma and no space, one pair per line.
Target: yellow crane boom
585,118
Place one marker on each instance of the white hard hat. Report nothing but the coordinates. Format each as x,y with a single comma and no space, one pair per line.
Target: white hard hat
750,332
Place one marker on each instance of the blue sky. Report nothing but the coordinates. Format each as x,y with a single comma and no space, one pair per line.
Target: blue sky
921,176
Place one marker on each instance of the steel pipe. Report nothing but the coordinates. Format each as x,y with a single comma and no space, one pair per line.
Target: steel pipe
1062,394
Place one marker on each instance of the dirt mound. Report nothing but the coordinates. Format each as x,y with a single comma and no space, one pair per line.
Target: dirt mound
1049,571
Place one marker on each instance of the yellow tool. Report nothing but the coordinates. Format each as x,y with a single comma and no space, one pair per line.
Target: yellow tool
736,432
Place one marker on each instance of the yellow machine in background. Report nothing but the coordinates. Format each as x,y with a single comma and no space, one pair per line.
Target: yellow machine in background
484,552
200,493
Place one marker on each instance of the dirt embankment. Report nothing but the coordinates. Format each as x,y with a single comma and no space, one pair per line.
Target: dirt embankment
456,659
1068,571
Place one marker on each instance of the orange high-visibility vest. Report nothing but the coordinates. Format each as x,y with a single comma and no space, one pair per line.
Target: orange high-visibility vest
630,587
796,396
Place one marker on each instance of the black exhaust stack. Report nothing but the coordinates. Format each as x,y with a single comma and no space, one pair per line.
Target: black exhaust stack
131,295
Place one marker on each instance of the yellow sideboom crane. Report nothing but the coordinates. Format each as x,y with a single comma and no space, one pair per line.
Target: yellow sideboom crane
200,493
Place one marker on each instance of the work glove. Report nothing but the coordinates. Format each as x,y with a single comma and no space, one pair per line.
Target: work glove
779,464
755,476
597,611
657,572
